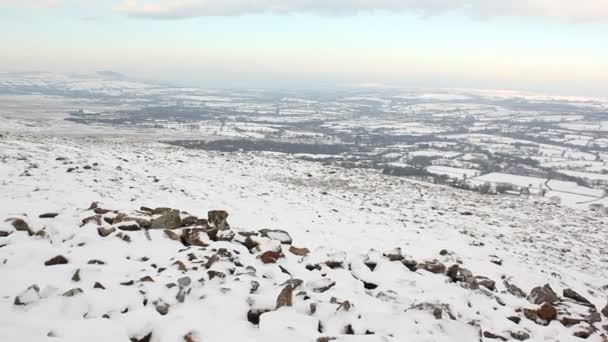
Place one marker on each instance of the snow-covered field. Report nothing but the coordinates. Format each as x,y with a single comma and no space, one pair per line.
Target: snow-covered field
378,265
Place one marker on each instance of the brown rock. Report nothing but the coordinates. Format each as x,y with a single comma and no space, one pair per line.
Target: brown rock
299,251
129,227
547,312
190,221
20,225
103,232
180,265
270,257
285,297
58,260
101,211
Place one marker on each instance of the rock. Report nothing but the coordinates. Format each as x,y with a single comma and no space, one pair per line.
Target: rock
101,211
129,227
58,260
95,262
73,292
544,294
180,265
270,257
172,235
519,335
157,211
29,295
146,279
437,310
514,319
605,311
531,314
584,332
490,335
410,263
98,286
93,205
394,255
217,234
253,316
76,275
20,225
514,290
463,275
569,293
190,221
170,220
146,338
184,282
48,215
191,237
285,297
103,232
486,282
217,218
213,274
321,285
547,312
94,219
4,233
298,251
432,266
277,234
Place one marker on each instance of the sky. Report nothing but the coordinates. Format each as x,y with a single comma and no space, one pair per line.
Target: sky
549,46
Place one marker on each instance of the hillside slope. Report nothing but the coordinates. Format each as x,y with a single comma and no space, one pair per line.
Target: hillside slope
355,255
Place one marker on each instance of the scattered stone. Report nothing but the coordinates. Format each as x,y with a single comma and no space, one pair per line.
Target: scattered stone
519,335
514,319
443,252
463,275
95,219
547,312
218,219
129,227
285,297
30,295
157,211
190,221
217,234
490,335
437,310
569,293
184,281
180,265
103,232
544,294
191,237
514,290
128,283
605,311
432,266
270,257
410,263
146,279
486,282
146,338
4,233
48,215
170,220
73,292
277,234
96,262
58,260
20,225
101,211
98,286
253,316
172,235
394,255
321,285
76,275
162,308
212,274
93,205
298,251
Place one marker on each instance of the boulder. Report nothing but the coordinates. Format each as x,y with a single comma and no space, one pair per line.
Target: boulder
571,294
277,234
544,294
514,290
217,218
486,282
169,220
270,257
433,266
547,312
191,237
20,225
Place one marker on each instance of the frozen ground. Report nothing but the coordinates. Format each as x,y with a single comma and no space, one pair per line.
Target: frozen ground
369,274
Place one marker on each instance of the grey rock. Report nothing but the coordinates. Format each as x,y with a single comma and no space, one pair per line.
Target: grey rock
170,220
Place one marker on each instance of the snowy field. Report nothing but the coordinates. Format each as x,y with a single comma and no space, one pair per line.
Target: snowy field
358,256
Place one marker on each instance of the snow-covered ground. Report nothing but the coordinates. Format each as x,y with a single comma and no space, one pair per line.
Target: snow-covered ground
378,249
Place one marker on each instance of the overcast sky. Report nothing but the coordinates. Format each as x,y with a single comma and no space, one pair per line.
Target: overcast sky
553,46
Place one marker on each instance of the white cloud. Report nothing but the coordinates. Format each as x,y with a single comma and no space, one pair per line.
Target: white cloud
568,10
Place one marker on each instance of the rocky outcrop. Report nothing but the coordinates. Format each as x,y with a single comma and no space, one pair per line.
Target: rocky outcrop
168,220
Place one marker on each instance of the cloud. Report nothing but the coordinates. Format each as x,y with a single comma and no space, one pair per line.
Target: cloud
34,3
566,10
